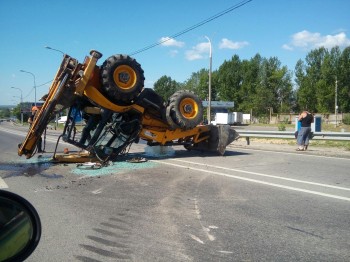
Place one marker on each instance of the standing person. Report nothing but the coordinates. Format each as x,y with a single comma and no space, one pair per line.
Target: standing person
306,118
30,121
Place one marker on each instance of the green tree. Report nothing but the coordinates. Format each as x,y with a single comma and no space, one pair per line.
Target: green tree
249,94
304,93
316,80
275,85
199,84
5,113
229,80
165,87
314,61
17,111
343,77
256,84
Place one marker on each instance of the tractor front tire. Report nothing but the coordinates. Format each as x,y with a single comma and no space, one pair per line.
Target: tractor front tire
184,110
122,79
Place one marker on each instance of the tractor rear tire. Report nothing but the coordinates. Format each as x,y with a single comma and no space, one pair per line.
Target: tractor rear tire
122,79
184,110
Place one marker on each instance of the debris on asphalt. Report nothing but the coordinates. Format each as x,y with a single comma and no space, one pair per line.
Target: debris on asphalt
90,165
137,160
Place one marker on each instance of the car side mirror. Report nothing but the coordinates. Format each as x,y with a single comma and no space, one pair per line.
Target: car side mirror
20,227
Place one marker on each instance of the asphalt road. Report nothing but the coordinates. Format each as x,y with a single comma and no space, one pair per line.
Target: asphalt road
253,204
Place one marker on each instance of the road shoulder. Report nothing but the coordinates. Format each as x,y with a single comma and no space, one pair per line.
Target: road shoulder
284,146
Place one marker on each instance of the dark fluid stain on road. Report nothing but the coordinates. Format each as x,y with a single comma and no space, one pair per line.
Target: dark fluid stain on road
28,167
51,176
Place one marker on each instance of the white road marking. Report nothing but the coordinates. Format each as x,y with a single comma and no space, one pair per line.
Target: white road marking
199,217
196,238
290,153
23,134
3,184
257,181
225,252
264,175
97,191
13,132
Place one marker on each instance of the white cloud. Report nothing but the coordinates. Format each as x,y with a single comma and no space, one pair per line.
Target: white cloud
193,55
339,30
228,44
308,40
167,41
287,47
173,53
198,51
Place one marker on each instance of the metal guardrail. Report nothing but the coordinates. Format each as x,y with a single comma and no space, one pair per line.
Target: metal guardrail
338,136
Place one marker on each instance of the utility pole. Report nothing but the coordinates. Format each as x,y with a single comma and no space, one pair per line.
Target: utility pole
21,105
209,88
270,115
336,101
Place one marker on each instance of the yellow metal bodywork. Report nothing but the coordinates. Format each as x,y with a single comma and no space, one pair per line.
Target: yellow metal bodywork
158,131
37,128
75,158
33,135
153,129
84,81
165,136
95,95
90,66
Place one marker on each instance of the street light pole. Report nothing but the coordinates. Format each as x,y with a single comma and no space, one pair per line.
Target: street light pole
209,91
336,101
23,71
50,48
21,102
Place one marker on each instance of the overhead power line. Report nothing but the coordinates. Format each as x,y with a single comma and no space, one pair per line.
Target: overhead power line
205,21
36,86
228,10
44,83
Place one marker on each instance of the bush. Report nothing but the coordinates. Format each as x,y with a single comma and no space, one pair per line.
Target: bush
264,120
346,119
286,120
281,127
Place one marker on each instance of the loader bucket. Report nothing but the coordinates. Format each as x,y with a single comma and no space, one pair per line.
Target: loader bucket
220,136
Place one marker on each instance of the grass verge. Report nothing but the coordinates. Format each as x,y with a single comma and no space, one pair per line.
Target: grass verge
316,143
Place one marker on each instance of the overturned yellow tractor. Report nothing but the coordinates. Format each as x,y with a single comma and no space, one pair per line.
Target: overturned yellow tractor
119,111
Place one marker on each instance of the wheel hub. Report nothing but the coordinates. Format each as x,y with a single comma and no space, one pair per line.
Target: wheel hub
124,77
188,108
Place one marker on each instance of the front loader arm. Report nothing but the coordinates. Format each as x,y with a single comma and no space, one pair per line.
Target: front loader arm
70,82
43,117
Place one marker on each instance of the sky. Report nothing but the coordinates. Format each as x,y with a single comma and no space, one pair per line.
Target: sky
286,29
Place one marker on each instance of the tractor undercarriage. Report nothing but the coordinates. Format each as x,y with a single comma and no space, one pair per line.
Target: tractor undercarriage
118,111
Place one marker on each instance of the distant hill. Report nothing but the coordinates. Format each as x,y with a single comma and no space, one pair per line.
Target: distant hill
7,106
